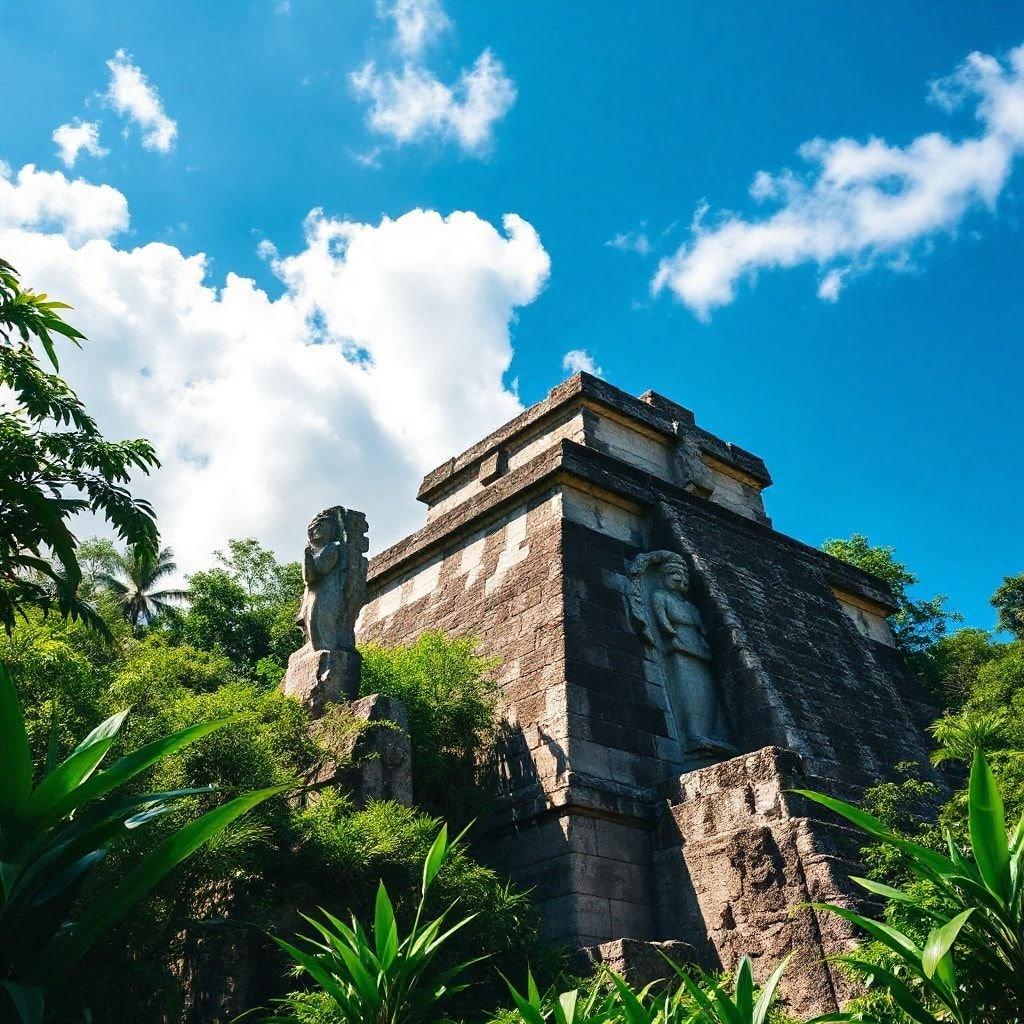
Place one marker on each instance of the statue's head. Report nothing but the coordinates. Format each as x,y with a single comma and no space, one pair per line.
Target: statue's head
675,575
325,527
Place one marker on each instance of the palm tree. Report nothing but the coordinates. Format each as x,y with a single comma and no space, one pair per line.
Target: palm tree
133,580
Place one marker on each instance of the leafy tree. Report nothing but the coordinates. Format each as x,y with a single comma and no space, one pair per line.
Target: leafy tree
221,617
917,624
96,556
1008,601
56,464
133,583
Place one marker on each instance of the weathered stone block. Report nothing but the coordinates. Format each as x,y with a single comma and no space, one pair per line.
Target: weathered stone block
318,678
639,962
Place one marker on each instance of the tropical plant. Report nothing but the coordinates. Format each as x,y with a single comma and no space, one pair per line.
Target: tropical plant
56,463
1008,601
134,580
53,834
697,998
970,906
380,977
596,1006
715,1004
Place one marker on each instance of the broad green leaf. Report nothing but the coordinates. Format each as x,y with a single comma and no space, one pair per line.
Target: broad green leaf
567,1006
764,1000
15,756
528,1009
384,919
744,987
869,823
895,940
901,994
27,999
74,770
988,827
435,858
941,940
100,918
127,767
632,1008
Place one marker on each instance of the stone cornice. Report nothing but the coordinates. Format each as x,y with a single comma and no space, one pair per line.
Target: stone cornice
571,463
653,412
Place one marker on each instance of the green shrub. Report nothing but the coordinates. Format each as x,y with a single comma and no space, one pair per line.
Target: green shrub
451,701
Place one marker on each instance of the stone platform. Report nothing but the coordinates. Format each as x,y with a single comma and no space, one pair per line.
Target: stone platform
318,678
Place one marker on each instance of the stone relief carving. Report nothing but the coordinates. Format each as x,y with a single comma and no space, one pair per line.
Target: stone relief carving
334,571
672,627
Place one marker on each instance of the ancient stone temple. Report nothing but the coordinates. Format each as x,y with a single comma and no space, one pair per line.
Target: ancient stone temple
671,667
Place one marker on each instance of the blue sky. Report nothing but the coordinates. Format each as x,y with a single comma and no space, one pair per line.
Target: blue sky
890,406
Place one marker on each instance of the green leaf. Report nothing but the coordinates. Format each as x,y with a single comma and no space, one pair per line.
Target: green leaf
941,940
78,767
935,862
901,994
15,756
127,767
435,858
744,987
905,948
384,920
988,828
764,1000
99,919
27,999
566,1007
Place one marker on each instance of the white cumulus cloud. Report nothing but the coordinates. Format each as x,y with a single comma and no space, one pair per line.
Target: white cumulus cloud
417,23
133,96
385,354
48,200
860,203
76,137
579,360
412,104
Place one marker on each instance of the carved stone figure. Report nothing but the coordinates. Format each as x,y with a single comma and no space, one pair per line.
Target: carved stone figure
672,625
334,571
334,567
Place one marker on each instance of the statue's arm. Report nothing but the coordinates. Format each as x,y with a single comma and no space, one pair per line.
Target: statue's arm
309,573
326,559
661,614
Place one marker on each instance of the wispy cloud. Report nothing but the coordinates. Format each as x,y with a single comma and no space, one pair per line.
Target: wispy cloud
410,104
133,96
579,360
631,241
418,23
861,204
77,137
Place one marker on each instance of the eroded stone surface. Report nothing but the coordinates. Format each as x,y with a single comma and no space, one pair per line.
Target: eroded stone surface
318,678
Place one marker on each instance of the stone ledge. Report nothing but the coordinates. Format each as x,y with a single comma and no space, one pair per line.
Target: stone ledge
652,410
572,462
637,960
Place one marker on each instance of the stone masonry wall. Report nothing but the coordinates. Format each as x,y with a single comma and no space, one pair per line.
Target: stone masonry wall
502,582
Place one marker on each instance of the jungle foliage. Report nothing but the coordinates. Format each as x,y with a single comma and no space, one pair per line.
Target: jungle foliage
56,463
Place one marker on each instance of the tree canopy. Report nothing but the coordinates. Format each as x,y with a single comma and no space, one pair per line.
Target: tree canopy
56,464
